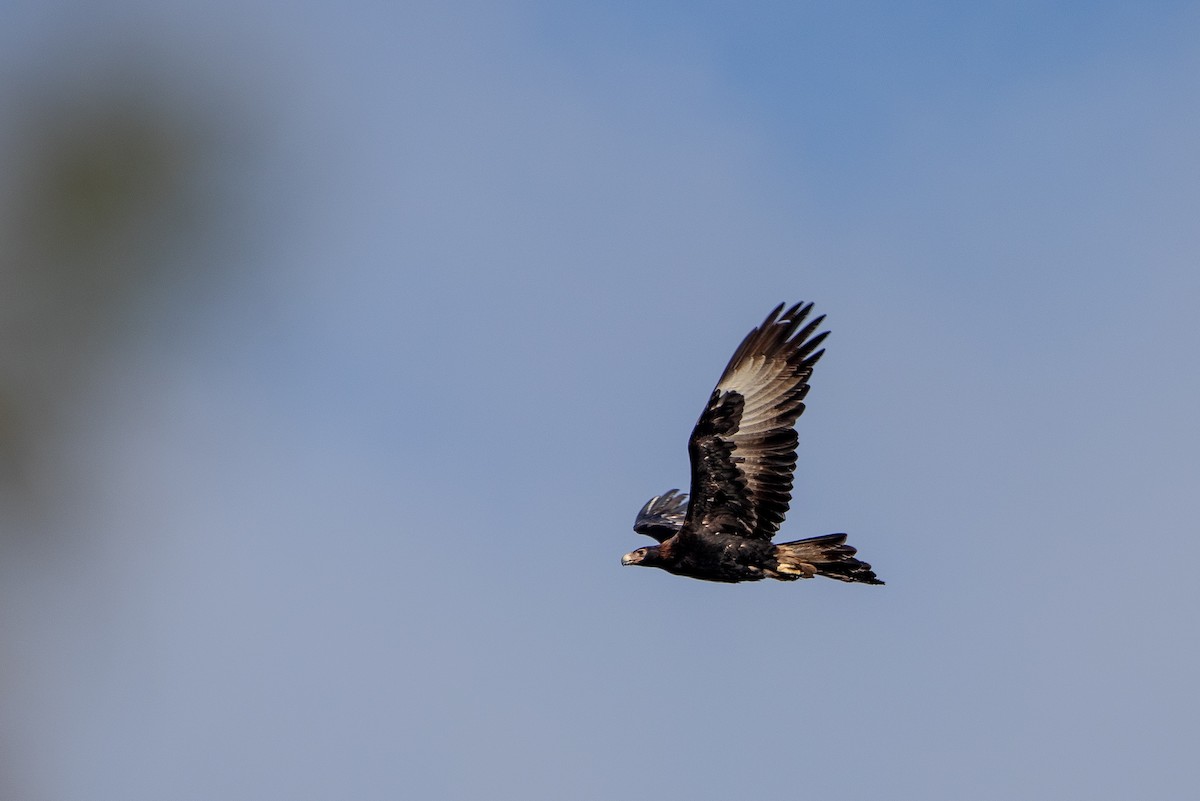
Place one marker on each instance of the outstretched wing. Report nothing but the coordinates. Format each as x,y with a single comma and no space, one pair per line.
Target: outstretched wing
743,448
662,516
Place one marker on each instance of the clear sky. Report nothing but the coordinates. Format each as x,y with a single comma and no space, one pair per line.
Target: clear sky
346,521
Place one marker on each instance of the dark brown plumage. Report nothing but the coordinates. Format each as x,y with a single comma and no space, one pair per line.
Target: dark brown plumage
743,454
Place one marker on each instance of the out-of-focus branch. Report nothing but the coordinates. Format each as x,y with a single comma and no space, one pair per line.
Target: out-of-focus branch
98,206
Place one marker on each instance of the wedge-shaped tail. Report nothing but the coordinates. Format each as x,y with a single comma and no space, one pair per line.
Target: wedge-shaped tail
822,556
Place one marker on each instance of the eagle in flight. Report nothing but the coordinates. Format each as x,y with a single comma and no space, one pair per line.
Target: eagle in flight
743,453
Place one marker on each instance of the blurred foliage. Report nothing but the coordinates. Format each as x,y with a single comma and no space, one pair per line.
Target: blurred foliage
111,203
100,200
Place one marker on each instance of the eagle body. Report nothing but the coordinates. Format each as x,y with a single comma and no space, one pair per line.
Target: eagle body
743,455
714,558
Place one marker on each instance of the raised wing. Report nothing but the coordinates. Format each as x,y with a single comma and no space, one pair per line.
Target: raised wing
662,516
743,448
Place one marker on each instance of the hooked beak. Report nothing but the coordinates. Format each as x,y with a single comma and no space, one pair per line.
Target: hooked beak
631,558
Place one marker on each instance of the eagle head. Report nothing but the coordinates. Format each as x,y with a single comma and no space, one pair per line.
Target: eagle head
642,556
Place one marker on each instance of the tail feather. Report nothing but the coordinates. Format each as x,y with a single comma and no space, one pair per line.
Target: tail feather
822,556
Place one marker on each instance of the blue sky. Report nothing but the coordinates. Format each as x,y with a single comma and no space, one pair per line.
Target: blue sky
348,522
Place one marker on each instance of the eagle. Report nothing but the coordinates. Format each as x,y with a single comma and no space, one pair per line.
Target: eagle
743,454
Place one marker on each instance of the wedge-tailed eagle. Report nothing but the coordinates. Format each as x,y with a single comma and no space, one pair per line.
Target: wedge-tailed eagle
743,454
